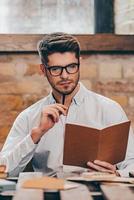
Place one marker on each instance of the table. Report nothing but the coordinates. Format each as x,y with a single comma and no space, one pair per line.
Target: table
86,191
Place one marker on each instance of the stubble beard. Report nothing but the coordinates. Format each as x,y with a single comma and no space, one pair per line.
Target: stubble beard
64,92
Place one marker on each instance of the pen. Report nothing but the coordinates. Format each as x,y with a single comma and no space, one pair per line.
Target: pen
63,99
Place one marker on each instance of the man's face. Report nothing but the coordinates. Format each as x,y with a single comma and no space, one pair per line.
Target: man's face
64,83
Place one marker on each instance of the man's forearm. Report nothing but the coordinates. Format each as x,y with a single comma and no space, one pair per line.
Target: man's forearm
36,134
15,159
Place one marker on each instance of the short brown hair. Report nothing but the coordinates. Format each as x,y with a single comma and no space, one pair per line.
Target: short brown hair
57,42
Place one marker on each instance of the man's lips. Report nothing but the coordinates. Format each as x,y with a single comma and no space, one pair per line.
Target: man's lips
65,82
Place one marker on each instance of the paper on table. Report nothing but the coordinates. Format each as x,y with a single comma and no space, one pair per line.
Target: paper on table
100,176
23,176
74,169
83,144
48,183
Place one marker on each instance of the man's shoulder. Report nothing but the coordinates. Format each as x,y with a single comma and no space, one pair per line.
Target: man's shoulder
111,109
100,98
93,96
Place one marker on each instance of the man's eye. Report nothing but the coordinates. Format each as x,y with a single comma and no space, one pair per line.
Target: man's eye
55,69
72,66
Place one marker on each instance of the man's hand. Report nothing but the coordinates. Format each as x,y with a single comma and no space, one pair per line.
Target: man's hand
102,166
50,115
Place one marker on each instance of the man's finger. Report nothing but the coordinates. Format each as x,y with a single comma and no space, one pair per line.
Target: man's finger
105,164
61,110
99,168
53,115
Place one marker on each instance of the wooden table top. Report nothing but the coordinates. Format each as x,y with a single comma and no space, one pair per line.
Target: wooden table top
84,191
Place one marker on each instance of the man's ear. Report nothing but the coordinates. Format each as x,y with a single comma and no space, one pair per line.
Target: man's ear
43,69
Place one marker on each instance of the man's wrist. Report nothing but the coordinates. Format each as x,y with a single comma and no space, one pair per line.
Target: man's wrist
36,134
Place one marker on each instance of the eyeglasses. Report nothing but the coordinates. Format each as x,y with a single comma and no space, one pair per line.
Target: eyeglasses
57,70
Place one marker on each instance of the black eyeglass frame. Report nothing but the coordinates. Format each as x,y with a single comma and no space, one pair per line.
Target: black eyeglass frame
62,68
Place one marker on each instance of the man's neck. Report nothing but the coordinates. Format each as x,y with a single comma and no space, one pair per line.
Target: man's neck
68,98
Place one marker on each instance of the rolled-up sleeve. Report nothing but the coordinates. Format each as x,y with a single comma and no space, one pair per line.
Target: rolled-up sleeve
19,147
128,164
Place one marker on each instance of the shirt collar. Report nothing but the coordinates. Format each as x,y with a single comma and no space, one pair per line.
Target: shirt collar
79,96
77,99
51,98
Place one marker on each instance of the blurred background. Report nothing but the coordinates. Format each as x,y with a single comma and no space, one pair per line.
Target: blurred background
105,29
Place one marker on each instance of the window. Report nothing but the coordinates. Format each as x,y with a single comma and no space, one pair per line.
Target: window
44,16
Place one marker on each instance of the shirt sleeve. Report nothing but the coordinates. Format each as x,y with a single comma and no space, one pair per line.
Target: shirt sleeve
19,147
128,164
115,114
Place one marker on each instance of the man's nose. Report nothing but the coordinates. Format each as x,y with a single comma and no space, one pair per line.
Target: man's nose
64,74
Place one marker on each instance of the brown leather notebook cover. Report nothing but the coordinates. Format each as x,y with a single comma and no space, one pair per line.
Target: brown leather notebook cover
83,144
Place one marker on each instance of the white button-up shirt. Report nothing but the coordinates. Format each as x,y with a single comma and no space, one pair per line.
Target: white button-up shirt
87,108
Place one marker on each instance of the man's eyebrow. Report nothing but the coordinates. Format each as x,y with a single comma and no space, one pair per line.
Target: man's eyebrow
55,66
62,65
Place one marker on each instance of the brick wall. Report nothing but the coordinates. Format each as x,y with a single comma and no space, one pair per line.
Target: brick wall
21,83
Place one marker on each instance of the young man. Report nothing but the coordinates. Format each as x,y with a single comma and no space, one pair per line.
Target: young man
38,132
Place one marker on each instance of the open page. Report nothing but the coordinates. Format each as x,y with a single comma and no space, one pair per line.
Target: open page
83,144
113,143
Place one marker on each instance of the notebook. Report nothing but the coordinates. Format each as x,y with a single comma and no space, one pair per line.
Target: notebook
7,185
83,144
